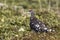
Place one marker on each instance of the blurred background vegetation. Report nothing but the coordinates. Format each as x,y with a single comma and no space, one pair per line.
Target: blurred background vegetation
14,19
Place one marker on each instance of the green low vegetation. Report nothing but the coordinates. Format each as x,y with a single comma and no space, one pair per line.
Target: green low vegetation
14,25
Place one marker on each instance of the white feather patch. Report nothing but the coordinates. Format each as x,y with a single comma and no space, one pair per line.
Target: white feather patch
37,25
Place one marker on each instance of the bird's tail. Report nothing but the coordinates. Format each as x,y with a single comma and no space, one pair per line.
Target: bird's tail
48,30
51,30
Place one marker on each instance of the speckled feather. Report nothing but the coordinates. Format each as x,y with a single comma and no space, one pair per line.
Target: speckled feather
36,24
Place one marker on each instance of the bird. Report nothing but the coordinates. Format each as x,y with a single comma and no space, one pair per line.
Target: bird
37,25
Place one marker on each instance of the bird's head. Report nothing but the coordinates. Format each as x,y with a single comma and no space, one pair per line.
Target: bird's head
31,12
